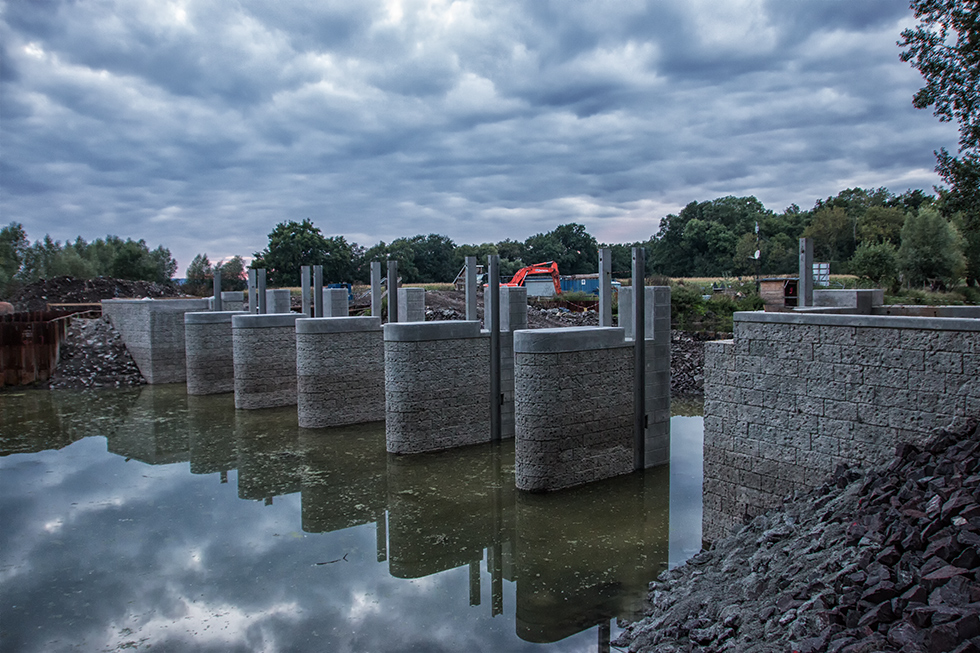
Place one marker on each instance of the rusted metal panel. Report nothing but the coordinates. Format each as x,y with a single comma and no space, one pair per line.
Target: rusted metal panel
30,344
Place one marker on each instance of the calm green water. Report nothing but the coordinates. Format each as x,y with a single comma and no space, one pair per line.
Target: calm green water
147,519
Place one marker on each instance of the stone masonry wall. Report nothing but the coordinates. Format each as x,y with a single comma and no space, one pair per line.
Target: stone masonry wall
558,448
340,375
792,396
436,390
153,331
265,360
209,353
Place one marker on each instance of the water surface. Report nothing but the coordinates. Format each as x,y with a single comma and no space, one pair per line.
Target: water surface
148,519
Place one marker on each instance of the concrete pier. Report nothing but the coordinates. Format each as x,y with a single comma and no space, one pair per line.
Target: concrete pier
231,300
340,372
436,386
555,368
209,353
335,302
411,304
277,300
265,359
153,331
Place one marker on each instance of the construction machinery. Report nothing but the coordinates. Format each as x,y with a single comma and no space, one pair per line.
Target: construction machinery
540,279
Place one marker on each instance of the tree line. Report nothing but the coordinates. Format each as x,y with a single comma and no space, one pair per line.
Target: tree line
873,233
23,262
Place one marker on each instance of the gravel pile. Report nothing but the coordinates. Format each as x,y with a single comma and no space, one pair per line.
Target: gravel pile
35,296
93,356
887,561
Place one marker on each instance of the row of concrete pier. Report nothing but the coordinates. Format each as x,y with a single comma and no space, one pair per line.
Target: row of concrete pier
584,403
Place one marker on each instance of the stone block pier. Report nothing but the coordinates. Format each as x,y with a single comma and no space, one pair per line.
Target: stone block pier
265,360
209,353
436,389
339,370
554,368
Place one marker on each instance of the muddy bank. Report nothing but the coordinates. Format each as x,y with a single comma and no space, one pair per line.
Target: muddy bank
887,560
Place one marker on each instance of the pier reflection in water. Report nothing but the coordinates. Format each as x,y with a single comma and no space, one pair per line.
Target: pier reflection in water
362,550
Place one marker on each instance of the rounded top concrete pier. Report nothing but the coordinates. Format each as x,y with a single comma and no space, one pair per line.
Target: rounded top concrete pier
567,339
424,331
266,321
337,324
211,317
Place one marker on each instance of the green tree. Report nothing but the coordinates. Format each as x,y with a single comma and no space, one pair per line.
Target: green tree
881,224
930,249
877,262
832,233
945,48
13,246
233,274
435,258
295,244
569,245
199,275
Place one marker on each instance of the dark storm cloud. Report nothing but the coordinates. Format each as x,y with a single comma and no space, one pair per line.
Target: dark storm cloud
200,124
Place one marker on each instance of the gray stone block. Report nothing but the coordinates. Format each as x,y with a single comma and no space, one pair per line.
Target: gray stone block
209,353
411,304
265,360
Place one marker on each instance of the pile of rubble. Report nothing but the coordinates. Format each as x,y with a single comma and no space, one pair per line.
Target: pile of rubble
93,356
885,561
36,296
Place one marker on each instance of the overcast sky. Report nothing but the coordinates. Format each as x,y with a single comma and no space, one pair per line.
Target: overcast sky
200,124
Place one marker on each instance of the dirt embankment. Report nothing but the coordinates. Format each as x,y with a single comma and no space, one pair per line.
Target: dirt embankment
64,290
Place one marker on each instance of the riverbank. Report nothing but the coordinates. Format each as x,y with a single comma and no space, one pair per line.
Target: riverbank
884,560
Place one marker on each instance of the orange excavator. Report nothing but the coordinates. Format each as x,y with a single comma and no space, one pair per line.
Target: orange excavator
537,271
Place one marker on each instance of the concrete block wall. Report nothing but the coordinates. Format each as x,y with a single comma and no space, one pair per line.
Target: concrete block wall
335,302
153,331
557,448
794,395
411,304
208,352
340,377
277,300
437,395
265,360
231,300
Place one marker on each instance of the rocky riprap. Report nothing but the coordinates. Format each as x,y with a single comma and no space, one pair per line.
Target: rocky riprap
93,356
884,561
